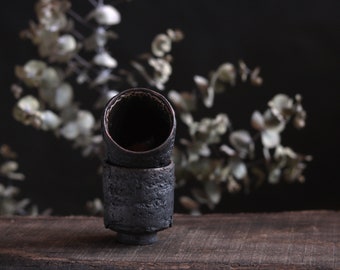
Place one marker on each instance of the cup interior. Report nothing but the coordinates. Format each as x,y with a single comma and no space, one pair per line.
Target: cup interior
140,120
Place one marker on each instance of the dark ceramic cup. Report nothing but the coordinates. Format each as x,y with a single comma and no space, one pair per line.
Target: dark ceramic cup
138,180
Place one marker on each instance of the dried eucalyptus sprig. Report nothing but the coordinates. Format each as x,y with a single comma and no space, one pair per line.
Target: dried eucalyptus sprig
52,105
9,174
201,160
65,53
213,158
215,165
159,60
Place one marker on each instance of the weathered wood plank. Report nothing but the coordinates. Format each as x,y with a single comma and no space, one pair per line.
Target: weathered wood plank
290,240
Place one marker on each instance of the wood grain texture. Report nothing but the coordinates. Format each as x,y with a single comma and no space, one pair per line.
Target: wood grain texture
289,240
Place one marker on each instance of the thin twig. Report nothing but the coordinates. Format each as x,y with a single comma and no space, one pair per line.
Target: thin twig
143,72
93,3
82,61
79,19
77,34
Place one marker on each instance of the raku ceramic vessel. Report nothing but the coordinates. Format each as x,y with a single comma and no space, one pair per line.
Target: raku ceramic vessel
139,128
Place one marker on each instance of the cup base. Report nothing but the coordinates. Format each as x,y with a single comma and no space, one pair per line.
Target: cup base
137,239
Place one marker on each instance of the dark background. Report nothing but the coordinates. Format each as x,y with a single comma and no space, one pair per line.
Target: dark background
296,43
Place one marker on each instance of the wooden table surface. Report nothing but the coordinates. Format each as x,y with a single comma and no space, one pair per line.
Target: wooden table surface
289,240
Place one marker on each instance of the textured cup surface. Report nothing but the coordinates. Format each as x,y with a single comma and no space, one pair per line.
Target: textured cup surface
138,179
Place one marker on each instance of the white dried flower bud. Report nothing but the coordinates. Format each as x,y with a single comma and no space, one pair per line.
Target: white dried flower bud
63,95
51,14
49,120
28,104
281,105
106,15
105,59
201,82
274,176
100,36
175,35
50,78
221,123
162,71
161,66
85,121
27,112
270,138
228,150
161,45
66,44
238,169
8,167
31,72
299,122
70,131
255,79
227,73
232,185
257,121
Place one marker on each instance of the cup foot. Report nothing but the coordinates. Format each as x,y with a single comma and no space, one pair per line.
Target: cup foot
137,239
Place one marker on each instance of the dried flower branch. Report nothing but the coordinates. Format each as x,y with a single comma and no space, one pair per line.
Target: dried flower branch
9,174
212,158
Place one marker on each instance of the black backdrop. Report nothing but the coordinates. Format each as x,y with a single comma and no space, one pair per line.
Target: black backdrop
296,43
